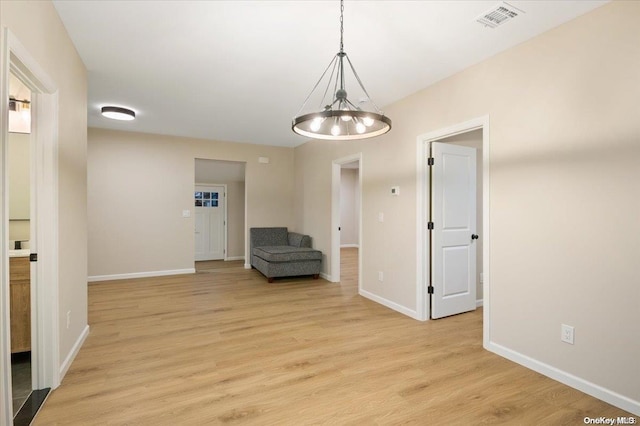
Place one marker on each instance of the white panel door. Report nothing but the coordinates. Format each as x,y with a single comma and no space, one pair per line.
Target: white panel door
453,213
209,222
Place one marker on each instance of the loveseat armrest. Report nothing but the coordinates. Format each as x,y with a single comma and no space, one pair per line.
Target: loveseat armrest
299,240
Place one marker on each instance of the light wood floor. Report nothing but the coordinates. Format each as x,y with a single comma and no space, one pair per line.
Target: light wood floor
224,347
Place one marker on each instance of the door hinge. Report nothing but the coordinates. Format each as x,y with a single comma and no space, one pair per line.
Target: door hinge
33,257
430,289
430,161
429,225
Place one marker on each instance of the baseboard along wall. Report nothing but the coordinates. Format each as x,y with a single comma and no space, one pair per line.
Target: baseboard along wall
96,278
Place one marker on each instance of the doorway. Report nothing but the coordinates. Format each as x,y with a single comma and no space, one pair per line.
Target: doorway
456,246
346,212
40,267
20,228
219,210
474,133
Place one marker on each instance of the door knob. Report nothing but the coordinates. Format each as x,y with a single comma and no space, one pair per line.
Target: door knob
474,236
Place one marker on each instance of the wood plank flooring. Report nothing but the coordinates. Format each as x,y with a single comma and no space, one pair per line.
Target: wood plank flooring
223,346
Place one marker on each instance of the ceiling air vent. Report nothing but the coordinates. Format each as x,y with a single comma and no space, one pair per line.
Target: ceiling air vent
498,15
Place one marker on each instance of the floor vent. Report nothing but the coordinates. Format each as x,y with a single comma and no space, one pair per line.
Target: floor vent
498,15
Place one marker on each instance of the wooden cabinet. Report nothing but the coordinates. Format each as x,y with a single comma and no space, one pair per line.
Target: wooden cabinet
20,284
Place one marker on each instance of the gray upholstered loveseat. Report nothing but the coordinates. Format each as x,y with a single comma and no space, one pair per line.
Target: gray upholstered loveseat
278,253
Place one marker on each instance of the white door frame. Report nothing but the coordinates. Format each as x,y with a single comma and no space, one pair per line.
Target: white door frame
336,166
45,362
423,201
224,185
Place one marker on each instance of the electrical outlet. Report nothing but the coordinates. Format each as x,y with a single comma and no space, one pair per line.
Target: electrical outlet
566,334
380,276
68,318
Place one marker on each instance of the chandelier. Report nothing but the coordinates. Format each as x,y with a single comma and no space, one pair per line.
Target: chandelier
339,117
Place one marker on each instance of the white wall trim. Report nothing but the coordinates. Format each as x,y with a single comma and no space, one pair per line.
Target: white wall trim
6,408
568,379
234,258
96,278
74,351
479,303
247,266
325,276
389,304
349,245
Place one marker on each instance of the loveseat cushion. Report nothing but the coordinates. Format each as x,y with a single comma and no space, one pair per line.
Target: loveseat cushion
286,253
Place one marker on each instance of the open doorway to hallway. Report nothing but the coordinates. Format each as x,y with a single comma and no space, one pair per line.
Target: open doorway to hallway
219,203
346,214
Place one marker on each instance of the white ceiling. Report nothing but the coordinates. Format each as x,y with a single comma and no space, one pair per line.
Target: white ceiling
240,70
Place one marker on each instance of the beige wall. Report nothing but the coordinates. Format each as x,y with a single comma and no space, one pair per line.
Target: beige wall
139,184
349,206
19,165
38,28
235,219
19,176
473,139
564,207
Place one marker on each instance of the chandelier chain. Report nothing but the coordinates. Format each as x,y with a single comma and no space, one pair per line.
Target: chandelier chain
341,25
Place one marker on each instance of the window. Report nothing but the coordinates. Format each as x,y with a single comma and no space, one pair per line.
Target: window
206,199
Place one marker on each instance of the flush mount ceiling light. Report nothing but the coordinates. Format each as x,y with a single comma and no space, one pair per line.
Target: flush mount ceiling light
118,113
338,117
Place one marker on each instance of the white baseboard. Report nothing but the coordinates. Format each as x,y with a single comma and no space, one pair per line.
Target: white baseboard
606,395
74,351
479,303
234,258
349,246
96,278
389,304
326,277
247,266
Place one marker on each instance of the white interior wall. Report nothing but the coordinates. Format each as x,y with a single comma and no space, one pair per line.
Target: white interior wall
349,207
140,183
19,185
564,157
38,28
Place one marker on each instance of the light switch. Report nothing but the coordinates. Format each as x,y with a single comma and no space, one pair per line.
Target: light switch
263,160
395,190
380,217
186,213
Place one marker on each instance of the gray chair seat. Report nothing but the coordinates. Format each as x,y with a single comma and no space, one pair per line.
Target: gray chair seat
286,253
